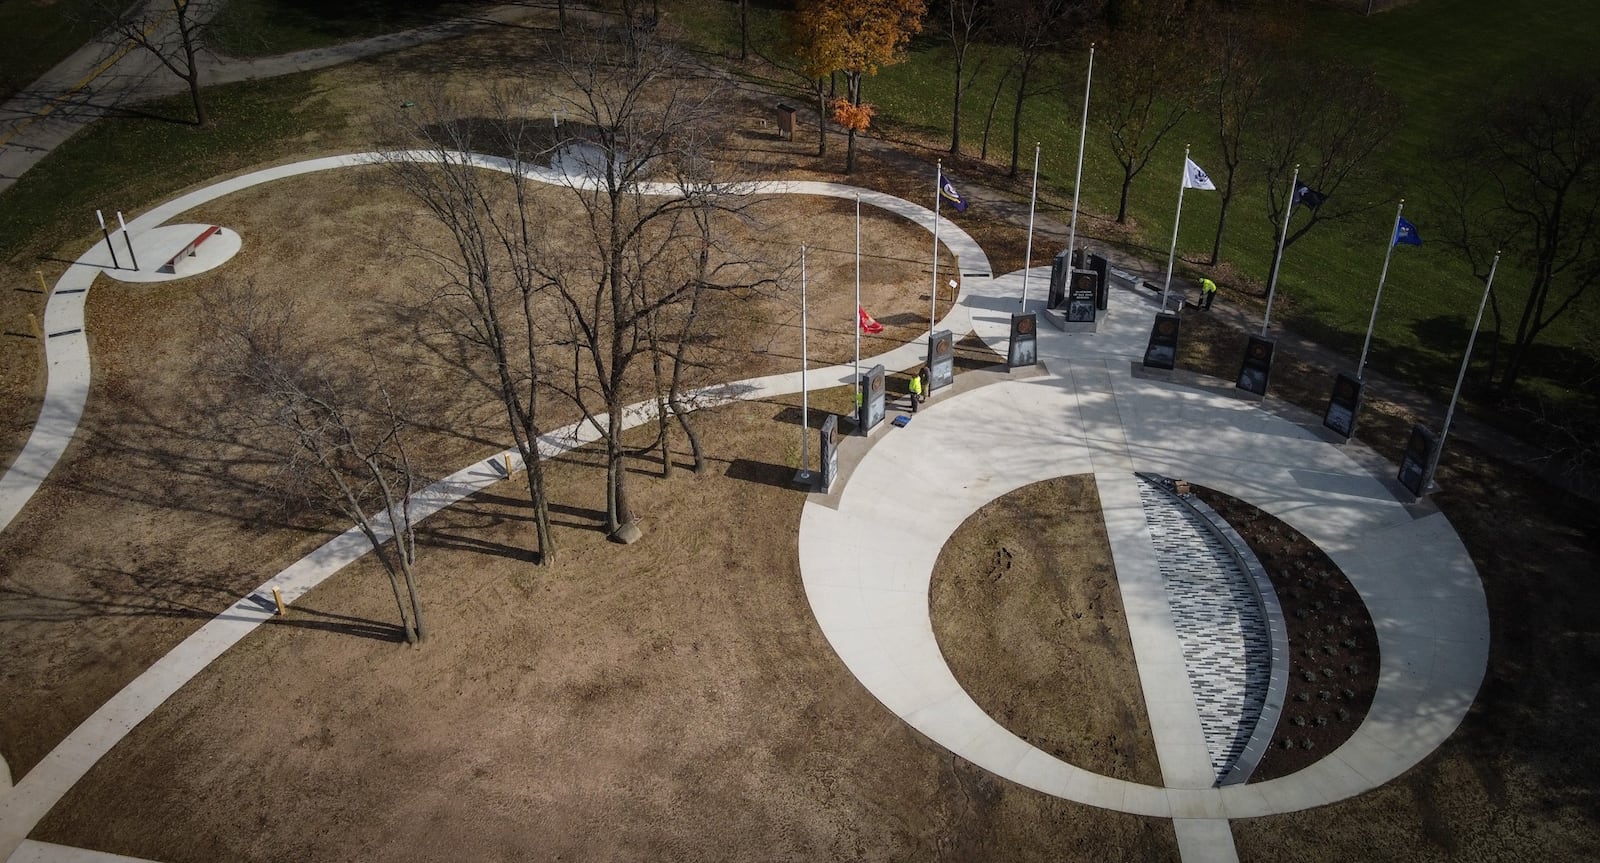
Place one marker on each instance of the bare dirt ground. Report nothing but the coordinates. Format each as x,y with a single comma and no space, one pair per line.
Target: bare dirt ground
668,700
157,519
1028,614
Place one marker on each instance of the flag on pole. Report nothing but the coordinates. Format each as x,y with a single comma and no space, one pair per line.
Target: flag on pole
1194,177
949,193
1308,196
868,325
1405,234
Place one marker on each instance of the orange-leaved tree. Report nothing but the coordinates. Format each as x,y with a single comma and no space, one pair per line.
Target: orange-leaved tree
855,37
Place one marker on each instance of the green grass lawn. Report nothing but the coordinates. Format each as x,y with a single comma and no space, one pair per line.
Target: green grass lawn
35,36
1439,56
109,166
258,28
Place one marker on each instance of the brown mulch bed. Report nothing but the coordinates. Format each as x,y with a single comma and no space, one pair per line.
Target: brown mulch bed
1334,667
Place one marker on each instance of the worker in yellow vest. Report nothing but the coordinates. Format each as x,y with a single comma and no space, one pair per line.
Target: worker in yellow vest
916,390
1208,293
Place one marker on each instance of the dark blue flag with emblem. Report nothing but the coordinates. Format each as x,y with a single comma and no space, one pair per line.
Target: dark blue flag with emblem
951,196
1405,234
1308,196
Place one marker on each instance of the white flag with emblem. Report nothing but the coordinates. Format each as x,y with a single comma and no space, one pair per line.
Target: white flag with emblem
1194,177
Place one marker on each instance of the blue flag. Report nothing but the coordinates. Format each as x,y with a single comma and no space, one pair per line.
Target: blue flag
1405,234
949,193
1304,194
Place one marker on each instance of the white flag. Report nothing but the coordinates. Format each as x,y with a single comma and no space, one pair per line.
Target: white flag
1194,177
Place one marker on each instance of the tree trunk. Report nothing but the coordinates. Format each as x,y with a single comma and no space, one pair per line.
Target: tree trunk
853,80
192,77
988,120
541,508
1222,219
1122,203
822,121
561,15
744,30
955,115
407,570
1016,117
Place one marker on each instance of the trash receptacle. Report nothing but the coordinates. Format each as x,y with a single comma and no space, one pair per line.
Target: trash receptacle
786,121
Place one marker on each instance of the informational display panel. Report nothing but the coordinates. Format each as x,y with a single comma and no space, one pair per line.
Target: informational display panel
1256,368
1102,268
1162,351
1024,348
830,451
1343,405
941,360
1414,463
1058,280
1081,297
872,399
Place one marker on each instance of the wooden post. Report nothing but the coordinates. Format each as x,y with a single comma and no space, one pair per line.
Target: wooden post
278,597
43,288
508,466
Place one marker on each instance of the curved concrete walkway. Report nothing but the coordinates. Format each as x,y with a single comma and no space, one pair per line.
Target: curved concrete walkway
68,360
1093,415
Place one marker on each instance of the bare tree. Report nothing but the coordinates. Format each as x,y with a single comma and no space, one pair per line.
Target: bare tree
1330,119
1246,42
1525,179
635,258
964,20
490,289
1032,28
1148,87
169,30
343,435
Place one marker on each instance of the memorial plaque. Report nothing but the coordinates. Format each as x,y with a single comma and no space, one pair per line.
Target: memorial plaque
1058,280
830,451
872,399
1256,367
1102,269
1414,463
1023,350
1343,405
1162,351
1080,297
941,361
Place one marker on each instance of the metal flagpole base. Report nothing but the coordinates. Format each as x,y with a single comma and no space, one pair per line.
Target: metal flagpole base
805,479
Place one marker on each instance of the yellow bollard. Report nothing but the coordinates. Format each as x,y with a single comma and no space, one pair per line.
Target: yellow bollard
43,288
508,466
278,597
33,323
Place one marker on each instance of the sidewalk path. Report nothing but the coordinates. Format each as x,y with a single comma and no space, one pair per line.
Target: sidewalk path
39,790
1093,415
109,75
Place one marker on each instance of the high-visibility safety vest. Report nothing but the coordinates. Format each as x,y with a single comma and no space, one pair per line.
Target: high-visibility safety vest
916,384
1207,286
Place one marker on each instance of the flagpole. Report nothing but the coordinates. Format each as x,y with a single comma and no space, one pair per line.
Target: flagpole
805,364
858,298
1449,415
1277,260
933,295
1077,183
1027,263
1172,253
1372,321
